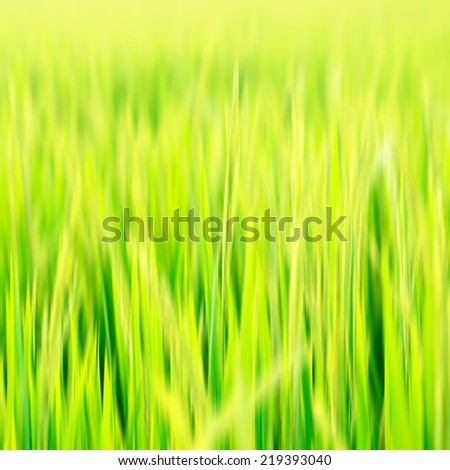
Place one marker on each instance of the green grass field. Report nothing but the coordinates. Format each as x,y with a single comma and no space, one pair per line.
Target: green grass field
229,107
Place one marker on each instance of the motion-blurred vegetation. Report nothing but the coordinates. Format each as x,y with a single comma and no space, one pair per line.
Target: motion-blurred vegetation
228,107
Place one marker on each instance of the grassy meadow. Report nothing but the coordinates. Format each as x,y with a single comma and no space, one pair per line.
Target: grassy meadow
229,107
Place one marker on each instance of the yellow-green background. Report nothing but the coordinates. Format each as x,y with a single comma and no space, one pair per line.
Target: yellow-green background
229,107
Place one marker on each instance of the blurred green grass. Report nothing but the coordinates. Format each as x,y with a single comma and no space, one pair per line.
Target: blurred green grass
228,107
